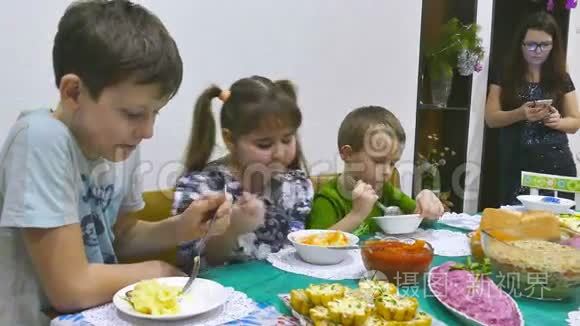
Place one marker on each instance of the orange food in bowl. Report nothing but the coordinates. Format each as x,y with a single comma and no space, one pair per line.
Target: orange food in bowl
403,263
335,238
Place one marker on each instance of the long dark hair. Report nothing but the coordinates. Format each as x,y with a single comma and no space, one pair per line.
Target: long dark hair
553,73
252,102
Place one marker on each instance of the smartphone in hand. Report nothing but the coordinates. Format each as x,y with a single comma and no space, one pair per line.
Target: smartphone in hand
540,103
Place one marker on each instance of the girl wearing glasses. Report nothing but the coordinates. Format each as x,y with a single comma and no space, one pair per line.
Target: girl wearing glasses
533,136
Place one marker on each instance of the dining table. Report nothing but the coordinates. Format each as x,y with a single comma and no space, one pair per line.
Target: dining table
263,283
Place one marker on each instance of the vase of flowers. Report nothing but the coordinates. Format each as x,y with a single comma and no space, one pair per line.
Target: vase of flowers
428,177
468,62
459,47
427,173
441,81
568,4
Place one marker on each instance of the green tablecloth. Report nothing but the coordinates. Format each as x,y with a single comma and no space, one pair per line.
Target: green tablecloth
263,282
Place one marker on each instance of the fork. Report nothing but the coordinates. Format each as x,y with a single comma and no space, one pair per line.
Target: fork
200,248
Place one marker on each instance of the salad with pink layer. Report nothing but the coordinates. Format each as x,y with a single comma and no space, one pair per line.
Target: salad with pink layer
473,294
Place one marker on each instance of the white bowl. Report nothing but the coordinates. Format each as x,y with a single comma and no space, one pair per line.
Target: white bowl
320,255
399,224
539,203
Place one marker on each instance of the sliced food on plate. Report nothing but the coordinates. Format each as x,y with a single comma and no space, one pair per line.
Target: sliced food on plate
468,292
373,303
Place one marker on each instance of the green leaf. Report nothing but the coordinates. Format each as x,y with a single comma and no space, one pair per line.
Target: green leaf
477,269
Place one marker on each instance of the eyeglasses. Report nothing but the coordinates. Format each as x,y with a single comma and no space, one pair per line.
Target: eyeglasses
534,46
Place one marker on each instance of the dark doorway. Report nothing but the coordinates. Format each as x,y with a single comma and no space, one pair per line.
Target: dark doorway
506,17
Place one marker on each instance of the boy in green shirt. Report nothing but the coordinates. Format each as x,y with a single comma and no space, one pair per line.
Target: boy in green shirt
370,141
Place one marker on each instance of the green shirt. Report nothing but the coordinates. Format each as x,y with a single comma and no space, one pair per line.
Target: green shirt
330,206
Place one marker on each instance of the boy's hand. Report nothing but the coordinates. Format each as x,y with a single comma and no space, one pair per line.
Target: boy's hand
247,214
364,198
428,205
194,221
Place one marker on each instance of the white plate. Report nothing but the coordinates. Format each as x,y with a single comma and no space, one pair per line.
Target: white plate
465,319
203,296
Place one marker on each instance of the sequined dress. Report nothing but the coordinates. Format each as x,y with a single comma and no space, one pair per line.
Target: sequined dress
532,146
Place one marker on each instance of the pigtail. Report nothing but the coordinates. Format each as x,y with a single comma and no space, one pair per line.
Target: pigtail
287,88
202,139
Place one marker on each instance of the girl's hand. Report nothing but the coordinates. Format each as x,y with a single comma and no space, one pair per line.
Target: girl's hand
364,198
247,214
194,222
428,205
553,119
535,113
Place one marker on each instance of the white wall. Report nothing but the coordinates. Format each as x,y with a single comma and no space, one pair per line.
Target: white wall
574,67
477,114
342,54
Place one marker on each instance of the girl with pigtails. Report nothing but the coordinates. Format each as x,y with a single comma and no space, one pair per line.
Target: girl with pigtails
262,172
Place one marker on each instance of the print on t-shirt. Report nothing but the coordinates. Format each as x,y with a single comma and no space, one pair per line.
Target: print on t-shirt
96,199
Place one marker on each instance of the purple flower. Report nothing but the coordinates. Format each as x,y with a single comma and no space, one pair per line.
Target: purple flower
478,67
571,4
550,5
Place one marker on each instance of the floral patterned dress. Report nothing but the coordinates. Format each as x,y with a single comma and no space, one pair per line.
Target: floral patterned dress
286,209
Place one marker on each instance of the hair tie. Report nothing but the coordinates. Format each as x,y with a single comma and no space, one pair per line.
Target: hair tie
224,95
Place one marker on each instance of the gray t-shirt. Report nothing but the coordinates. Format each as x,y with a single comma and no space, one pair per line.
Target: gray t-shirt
46,182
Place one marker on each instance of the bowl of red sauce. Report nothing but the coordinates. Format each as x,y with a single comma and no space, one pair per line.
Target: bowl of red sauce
402,261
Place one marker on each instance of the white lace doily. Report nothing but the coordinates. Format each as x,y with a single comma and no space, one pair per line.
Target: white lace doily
462,221
574,318
237,306
351,268
445,243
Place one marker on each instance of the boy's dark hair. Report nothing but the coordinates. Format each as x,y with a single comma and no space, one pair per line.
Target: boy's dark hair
553,74
254,103
108,42
356,126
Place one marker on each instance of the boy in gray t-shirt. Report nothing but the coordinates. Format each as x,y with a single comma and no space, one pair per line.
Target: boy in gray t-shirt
68,179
